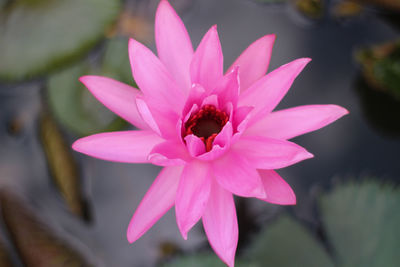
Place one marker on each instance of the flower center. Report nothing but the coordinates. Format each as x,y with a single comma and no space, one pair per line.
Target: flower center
206,124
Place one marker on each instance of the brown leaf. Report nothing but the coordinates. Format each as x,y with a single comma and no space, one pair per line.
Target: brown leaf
62,165
36,244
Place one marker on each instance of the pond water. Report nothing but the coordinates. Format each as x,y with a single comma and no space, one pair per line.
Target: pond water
351,148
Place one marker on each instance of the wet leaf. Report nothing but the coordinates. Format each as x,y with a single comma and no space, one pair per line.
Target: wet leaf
75,107
37,245
286,243
39,36
115,62
362,223
390,5
347,9
62,165
204,259
313,9
381,67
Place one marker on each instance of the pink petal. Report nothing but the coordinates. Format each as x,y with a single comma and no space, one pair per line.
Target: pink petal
289,123
192,196
157,201
227,89
220,145
169,153
160,120
278,191
146,114
206,67
154,79
194,145
125,146
267,92
117,97
254,61
220,224
240,120
237,176
173,45
268,153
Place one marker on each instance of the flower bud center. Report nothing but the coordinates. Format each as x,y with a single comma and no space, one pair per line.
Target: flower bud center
206,123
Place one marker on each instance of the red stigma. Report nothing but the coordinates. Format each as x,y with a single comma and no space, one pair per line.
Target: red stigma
206,124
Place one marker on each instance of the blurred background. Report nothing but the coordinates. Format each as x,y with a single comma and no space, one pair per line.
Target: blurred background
61,208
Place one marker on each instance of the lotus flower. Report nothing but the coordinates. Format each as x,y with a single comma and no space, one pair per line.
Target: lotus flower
215,134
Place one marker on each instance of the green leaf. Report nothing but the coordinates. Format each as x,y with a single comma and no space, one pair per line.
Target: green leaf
39,36
313,9
202,260
286,243
381,67
116,63
36,243
62,166
74,106
362,223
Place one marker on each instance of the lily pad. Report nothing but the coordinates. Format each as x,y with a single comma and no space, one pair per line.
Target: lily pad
313,9
74,106
36,244
362,223
381,67
62,166
286,243
39,36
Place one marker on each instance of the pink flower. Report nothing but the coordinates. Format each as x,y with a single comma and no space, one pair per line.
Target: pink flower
215,134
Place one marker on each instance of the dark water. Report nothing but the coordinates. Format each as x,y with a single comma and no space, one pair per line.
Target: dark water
351,148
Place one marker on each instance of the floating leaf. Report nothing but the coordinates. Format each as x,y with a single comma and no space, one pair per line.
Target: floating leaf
362,223
35,242
74,106
62,166
313,9
115,62
391,5
381,67
204,259
38,36
346,9
286,243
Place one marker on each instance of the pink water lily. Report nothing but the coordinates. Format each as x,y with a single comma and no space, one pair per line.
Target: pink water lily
215,134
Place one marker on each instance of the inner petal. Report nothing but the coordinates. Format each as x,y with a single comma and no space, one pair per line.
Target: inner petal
206,123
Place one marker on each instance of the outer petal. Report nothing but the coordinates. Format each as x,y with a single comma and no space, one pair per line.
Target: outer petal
289,123
234,174
173,45
254,61
220,224
267,92
125,146
117,97
268,153
154,79
192,196
157,201
278,191
206,67
169,153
